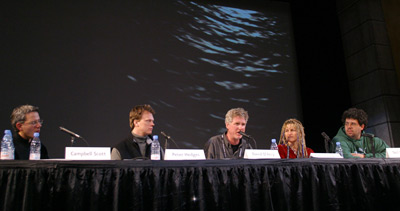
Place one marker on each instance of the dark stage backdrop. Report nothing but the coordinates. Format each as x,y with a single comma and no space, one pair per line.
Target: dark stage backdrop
86,65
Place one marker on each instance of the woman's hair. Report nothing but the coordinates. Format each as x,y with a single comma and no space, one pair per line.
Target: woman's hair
301,140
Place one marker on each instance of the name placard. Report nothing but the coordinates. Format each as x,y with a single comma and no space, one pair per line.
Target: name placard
87,153
261,154
184,154
325,155
392,152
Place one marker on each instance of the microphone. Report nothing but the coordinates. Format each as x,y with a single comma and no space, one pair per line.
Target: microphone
69,132
73,135
326,137
248,137
167,137
244,134
327,141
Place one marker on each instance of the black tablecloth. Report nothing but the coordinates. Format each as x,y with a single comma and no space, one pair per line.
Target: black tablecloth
296,184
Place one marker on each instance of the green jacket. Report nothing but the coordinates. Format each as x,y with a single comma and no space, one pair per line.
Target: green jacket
362,145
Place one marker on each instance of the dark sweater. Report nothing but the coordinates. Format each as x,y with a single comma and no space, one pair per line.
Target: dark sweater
129,149
22,147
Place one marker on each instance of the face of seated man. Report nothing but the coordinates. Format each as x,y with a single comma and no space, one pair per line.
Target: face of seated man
353,128
144,126
31,125
238,124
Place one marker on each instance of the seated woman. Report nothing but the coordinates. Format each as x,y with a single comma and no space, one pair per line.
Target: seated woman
292,135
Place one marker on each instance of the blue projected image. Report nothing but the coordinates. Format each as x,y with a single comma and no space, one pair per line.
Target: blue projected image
218,58
87,65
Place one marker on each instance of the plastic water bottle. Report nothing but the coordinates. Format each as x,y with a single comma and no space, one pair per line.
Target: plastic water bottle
34,153
155,149
274,146
7,146
339,149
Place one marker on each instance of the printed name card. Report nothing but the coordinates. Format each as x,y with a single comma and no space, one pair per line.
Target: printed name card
392,152
261,154
325,155
87,153
184,154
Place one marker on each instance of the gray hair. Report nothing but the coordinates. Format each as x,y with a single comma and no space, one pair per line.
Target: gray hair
236,112
18,114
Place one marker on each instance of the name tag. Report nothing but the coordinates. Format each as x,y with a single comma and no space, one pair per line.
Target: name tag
87,153
184,154
261,154
392,152
325,155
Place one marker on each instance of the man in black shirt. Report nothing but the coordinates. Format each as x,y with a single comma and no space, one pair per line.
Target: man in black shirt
26,121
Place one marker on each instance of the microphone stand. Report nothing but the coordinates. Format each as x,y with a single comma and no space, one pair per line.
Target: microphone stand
72,140
166,143
288,150
167,137
248,137
255,143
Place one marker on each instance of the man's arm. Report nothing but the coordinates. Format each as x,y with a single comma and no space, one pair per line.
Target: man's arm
348,151
115,155
380,149
209,150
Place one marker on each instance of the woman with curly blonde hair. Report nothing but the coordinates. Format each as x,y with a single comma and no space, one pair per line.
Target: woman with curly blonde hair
293,139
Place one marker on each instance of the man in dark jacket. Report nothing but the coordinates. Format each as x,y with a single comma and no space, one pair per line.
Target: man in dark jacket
354,142
138,144
229,144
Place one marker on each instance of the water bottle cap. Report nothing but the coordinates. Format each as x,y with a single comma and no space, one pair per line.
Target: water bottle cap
155,137
7,131
273,140
337,143
36,135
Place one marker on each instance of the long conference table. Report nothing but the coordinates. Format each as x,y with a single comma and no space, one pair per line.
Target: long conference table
295,184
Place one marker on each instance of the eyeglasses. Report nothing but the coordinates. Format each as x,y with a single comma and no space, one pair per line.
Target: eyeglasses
33,123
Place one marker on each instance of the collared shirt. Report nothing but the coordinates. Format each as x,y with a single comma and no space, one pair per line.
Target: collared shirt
218,147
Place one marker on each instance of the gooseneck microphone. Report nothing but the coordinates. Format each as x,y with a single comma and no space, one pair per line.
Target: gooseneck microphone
244,134
248,137
69,132
327,141
167,137
73,135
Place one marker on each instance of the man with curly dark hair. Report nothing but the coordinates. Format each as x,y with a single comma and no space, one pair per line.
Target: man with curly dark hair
354,141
